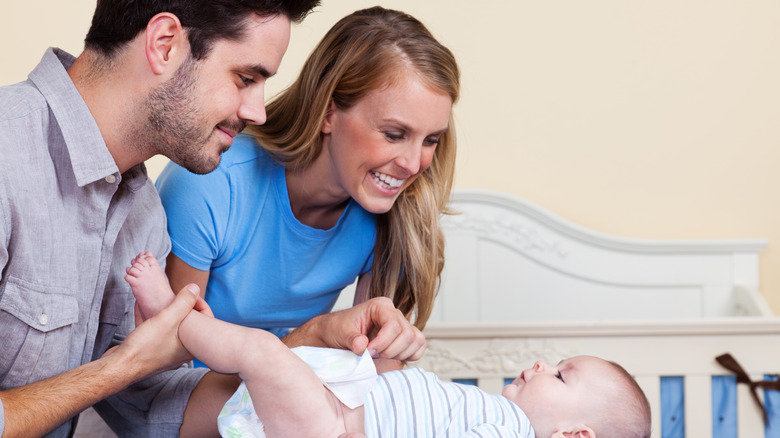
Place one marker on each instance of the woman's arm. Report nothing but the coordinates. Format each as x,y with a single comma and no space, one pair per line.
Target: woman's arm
181,274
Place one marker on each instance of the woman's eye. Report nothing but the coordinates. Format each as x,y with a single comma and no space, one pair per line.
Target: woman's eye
392,136
431,141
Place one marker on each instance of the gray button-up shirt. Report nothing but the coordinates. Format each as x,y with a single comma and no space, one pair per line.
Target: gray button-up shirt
69,225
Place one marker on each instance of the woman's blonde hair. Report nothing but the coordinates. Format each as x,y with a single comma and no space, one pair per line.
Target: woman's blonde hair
364,51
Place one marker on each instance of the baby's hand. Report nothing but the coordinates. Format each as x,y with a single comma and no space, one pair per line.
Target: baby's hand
352,435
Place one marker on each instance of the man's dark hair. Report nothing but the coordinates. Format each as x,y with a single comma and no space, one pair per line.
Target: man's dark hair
116,22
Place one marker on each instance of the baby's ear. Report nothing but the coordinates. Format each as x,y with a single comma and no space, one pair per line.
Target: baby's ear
578,431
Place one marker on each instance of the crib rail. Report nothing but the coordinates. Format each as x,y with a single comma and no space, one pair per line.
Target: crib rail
650,350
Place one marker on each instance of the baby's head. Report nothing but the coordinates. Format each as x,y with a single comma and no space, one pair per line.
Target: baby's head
583,393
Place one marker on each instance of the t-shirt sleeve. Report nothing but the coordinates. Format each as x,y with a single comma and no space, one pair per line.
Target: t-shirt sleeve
368,266
197,208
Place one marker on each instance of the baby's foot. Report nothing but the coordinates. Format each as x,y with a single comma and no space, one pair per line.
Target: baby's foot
149,283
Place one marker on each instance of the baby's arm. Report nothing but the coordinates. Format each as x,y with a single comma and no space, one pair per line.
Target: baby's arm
288,397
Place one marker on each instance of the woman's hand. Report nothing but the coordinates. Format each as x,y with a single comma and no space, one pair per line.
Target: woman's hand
375,325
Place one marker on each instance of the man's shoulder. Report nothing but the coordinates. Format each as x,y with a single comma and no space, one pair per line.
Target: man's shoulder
20,100
24,120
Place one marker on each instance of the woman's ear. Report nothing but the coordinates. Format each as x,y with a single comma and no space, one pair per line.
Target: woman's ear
330,114
165,42
578,431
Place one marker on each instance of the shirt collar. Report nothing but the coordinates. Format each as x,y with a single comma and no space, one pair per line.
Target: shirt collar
88,152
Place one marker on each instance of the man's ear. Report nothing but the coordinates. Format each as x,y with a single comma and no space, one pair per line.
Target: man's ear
165,42
578,431
327,122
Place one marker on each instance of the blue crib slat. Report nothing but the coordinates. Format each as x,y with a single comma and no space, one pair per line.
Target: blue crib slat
724,407
672,407
472,382
772,405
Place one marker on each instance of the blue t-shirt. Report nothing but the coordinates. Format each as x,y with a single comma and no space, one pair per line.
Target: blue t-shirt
267,269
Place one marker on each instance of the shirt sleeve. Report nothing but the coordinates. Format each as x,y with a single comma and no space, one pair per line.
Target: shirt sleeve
197,208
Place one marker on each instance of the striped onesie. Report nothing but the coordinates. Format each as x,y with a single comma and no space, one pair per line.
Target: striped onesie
406,404
415,403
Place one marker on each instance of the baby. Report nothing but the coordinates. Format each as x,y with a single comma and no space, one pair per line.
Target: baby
580,397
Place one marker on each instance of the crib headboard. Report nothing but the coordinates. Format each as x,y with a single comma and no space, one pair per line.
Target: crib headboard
521,284
540,267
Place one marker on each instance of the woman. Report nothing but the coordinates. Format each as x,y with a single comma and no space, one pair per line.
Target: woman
346,179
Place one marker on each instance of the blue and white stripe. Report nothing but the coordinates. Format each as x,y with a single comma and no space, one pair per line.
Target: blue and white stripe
415,403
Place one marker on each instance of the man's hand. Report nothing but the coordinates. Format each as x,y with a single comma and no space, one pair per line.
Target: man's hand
38,408
375,325
154,345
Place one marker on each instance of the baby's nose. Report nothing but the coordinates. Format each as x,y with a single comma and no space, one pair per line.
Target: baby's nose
541,367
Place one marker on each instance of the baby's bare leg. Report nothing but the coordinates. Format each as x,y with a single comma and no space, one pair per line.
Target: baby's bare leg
288,397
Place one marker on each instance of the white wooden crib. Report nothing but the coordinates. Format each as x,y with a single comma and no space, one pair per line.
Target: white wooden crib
522,284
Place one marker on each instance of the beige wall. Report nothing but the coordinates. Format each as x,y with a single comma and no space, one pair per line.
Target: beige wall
640,119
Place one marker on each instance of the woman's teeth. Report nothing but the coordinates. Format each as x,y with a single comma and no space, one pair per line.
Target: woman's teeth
387,180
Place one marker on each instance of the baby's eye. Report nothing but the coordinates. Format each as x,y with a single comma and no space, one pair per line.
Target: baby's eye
559,376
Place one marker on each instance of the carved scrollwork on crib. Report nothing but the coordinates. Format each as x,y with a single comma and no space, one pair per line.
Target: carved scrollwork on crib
511,232
498,357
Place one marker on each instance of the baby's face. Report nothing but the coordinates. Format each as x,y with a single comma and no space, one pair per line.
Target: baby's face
565,393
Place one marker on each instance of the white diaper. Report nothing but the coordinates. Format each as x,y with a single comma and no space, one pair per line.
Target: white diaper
349,376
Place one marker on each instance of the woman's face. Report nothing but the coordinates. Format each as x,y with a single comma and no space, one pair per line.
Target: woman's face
377,148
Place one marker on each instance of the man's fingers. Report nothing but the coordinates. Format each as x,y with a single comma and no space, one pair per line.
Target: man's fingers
201,306
184,302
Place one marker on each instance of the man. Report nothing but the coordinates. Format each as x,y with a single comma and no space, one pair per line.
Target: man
178,78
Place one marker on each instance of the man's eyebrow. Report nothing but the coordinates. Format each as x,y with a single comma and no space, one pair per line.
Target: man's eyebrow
260,70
